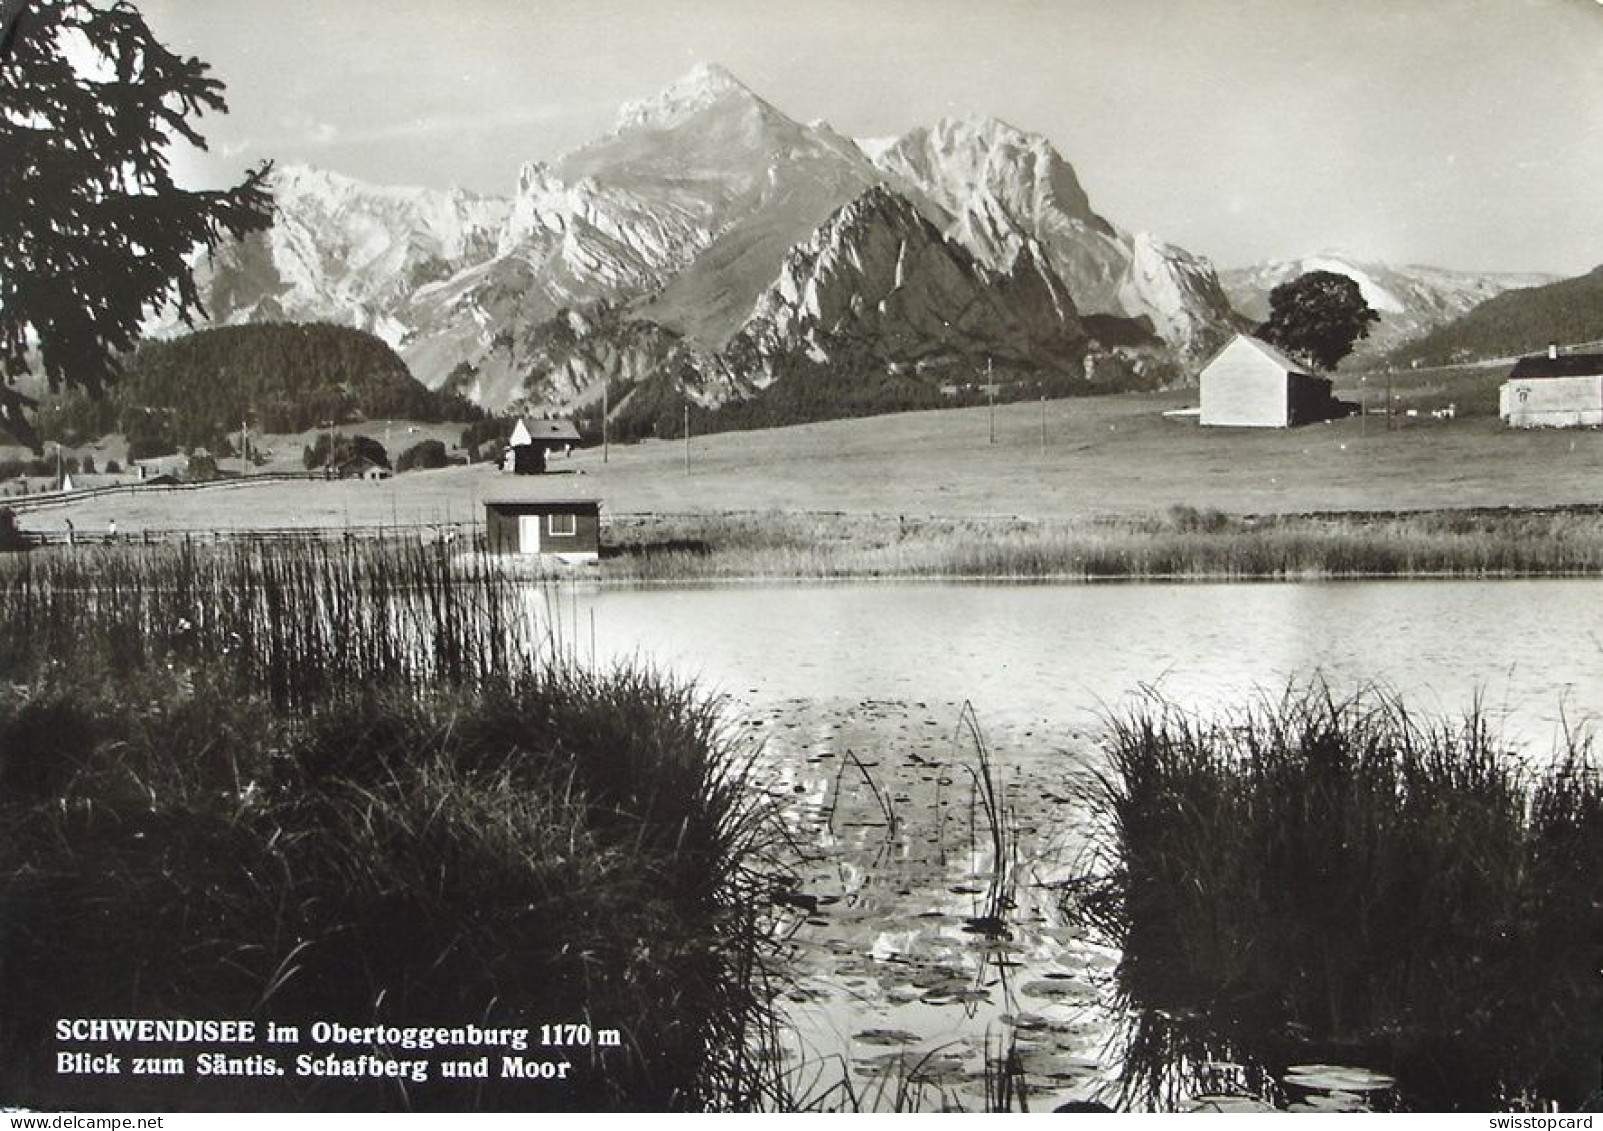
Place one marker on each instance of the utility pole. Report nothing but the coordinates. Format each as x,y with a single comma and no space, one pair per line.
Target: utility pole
687,437
1043,422
990,391
606,410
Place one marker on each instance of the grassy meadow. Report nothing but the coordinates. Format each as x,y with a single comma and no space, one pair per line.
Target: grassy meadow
1085,487
357,785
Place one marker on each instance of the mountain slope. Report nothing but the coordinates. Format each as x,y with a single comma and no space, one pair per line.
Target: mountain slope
1411,301
879,287
685,209
345,251
197,389
1517,322
712,242
996,189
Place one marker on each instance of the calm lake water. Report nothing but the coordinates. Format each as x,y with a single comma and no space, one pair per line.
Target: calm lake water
1021,654
858,694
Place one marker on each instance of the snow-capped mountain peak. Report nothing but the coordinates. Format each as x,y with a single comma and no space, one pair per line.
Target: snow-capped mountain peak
704,86
672,236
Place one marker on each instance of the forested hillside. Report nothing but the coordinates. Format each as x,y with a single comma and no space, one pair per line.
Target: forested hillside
1517,322
197,389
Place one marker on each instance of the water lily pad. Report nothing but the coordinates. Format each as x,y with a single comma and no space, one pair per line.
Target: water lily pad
966,996
1026,1021
1331,1101
989,926
1059,990
886,1037
1337,1078
1227,1105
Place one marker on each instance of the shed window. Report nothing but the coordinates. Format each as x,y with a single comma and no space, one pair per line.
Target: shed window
561,525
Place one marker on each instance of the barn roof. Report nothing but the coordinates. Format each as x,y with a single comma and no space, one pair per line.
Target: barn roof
534,498
1280,360
561,431
1566,365
1275,355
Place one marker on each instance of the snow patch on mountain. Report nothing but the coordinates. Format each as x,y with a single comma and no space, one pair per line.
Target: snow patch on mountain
1378,297
1412,300
705,85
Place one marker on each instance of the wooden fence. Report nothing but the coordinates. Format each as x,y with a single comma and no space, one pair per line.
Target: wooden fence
467,533
21,504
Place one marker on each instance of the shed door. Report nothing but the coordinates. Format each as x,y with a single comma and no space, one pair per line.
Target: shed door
528,534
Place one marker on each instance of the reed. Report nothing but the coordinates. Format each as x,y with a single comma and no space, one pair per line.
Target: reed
296,621
1324,880
1182,544
360,786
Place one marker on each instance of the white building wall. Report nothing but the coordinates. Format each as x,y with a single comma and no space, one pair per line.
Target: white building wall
1552,402
1241,388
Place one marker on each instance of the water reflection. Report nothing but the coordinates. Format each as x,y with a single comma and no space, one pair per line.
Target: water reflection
933,959
1024,653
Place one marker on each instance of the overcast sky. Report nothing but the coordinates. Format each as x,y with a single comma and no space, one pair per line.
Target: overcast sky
1459,133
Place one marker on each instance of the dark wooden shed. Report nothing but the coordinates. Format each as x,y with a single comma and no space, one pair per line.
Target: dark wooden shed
568,528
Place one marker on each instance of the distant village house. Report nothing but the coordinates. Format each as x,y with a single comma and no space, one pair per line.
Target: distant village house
1250,384
360,467
533,440
1553,391
568,529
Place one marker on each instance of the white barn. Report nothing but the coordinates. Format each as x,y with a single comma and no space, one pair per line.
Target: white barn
1250,384
1553,392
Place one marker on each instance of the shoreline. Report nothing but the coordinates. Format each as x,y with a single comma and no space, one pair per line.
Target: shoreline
1182,545
779,581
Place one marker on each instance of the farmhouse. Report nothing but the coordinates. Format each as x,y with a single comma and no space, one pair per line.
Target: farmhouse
173,465
361,467
566,528
1250,384
531,441
1555,391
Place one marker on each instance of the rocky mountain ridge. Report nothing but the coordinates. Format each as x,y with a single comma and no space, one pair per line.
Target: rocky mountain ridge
710,236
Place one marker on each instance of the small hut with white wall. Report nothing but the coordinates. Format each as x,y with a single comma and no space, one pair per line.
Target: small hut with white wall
1250,384
533,440
1553,391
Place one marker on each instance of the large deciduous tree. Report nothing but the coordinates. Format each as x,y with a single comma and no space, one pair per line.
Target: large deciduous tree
95,236
1318,317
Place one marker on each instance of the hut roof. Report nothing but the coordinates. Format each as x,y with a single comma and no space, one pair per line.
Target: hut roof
546,431
1280,360
536,498
1565,365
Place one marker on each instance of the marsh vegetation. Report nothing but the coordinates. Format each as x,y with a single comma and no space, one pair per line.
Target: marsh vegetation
1181,543
1324,880
329,783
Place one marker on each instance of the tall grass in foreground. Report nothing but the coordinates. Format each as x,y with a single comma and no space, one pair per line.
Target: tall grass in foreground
1331,880
296,622
434,823
1184,543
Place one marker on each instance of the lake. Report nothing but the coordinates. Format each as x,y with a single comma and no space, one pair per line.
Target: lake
914,734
